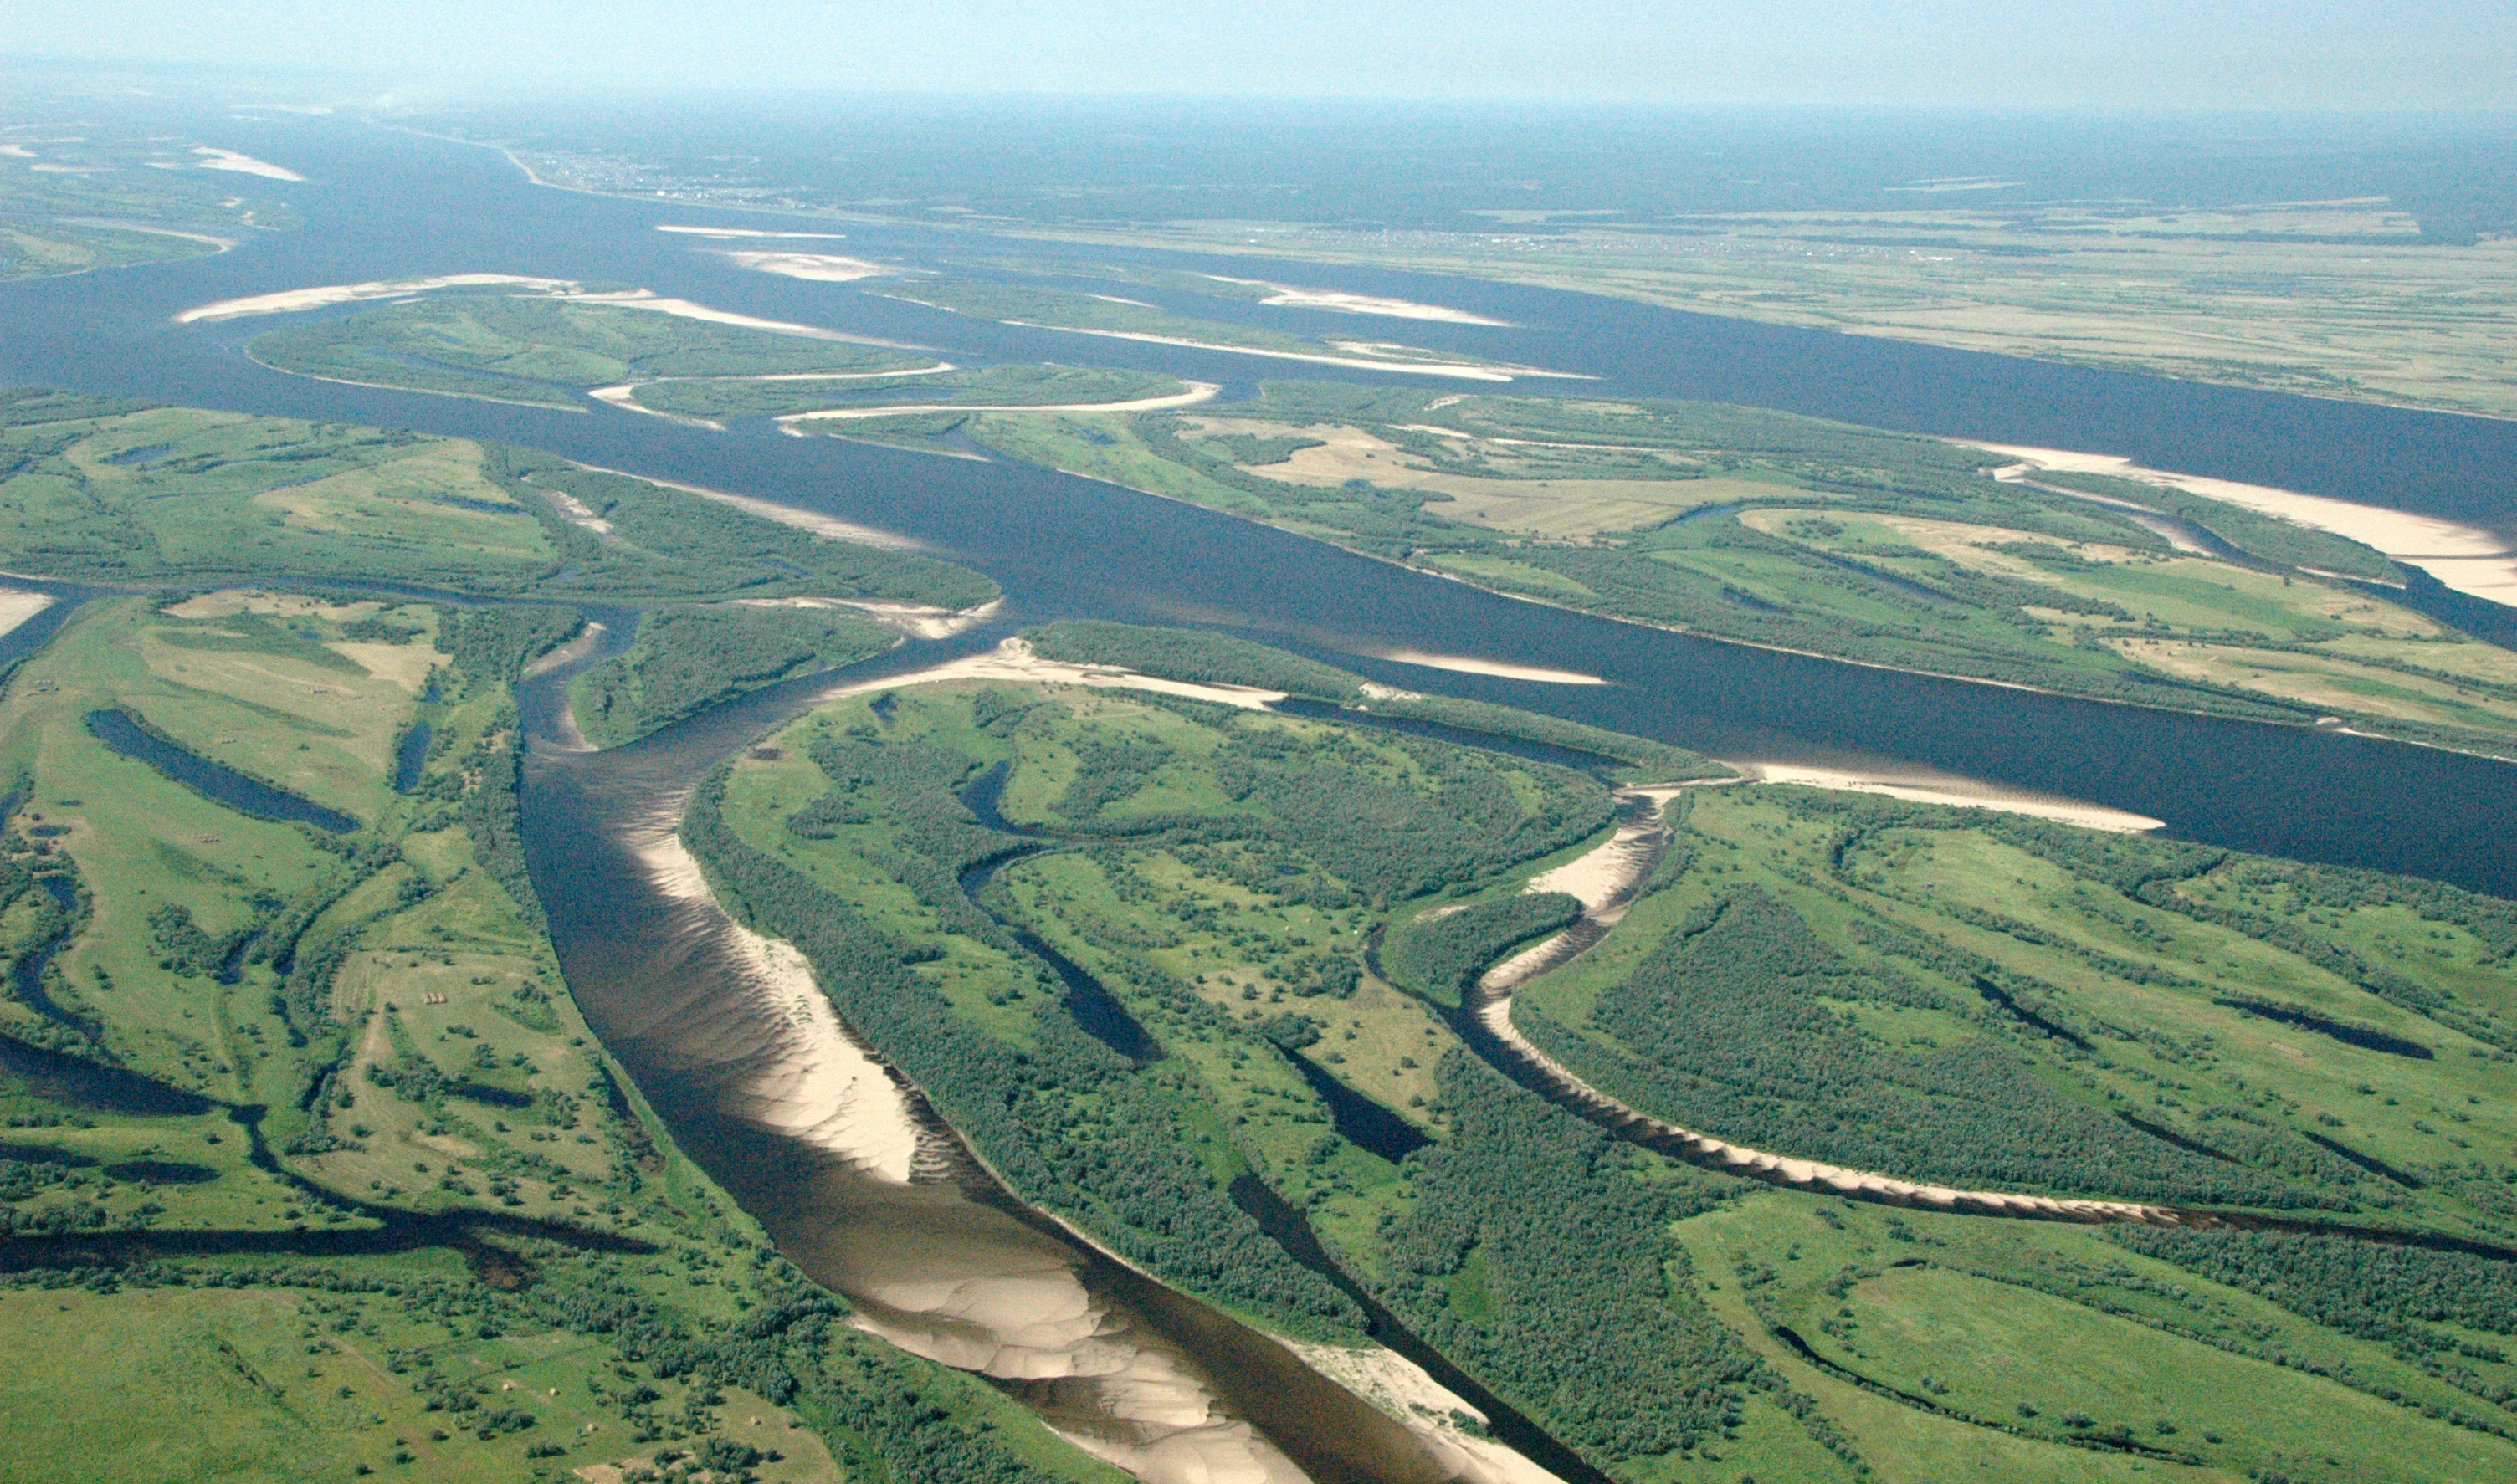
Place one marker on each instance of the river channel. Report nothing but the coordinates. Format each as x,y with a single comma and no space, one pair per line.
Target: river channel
935,1254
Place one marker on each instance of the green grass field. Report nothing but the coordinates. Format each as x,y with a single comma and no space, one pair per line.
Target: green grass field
1803,535
82,196
1754,1332
547,352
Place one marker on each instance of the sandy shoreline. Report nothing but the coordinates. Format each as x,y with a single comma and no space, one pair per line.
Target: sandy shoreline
2465,558
916,621
814,267
747,232
1960,792
1198,392
323,296
1463,664
242,164
1401,1390
828,526
17,606
1287,296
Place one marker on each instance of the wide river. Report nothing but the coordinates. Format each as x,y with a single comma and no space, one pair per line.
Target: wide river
662,979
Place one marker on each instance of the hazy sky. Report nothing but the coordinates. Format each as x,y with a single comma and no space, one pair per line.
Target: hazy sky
2248,53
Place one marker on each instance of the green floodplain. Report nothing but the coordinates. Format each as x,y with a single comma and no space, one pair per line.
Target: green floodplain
1842,979
74,199
1773,529
356,1025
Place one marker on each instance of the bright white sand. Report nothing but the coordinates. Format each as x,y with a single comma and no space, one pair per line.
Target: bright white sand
17,605
1399,1389
242,164
292,301
917,620
646,299
1198,392
2465,558
821,1087
16,151
818,266
1465,666
828,527
1966,794
745,232
1015,660
1290,297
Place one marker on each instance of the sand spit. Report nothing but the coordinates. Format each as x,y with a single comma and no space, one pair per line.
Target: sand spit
1198,392
817,267
570,653
1400,1390
242,164
1605,879
747,232
916,621
223,244
2465,558
1962,792
1286,296
17,606
1494,1013
1457,370
296,300
648,299
820,1086
1015,660
828,526
1466,665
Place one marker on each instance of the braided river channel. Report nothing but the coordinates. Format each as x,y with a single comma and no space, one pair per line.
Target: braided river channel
777,1100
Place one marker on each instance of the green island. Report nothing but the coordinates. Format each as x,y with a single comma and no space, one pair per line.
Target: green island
1771,529
549,352
123,494
1276,918
75,197
1018,386
310,1167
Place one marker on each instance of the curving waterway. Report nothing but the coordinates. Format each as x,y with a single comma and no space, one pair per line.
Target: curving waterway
845,1166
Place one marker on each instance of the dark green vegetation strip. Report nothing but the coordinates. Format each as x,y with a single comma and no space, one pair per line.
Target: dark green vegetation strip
2260,537
545,350
228,498
1205,658
1441,957
687,660
993,386
2002,1001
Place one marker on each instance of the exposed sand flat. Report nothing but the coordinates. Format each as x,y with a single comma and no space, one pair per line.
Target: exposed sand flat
1015,660
242,164
917,620
821,1087
1467,665
17,605
223,244
1401,1390
1198,392
828,526
1458,371
748,231
323,296
1603,878
567,653
648,299
1965,793
16,151
2466,558
818,266
1287,296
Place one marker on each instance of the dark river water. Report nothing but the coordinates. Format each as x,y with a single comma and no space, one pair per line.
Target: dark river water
663,980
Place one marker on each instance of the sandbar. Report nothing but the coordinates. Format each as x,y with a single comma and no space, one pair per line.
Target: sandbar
1962,792
1287,296
1400,1390
917,620
1467,665
323,296
1198,392
17,605
747,232
242,164
828,526
2465,558
818,266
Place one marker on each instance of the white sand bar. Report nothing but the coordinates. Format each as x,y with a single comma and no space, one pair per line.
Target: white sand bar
1400,1390
1287,296
1198,392
17,605
748,231
323,296
828,526
1961,793
1467,665
2466,558
818,266
242,164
